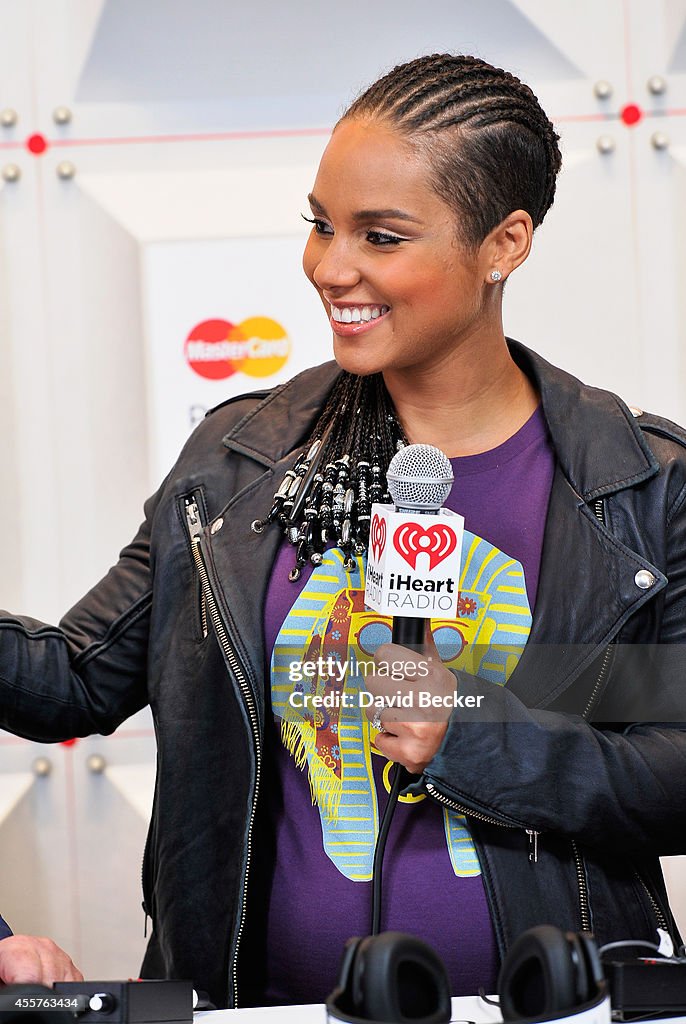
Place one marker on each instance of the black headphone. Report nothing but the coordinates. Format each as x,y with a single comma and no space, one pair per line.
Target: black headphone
390,977
548,973
394,977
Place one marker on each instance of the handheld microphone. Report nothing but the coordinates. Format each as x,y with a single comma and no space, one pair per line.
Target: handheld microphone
420,478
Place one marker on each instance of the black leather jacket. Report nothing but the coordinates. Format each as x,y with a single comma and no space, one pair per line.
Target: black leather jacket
596,805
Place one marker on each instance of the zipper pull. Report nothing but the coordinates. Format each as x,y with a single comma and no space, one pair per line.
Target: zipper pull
193,518
194,523
533,845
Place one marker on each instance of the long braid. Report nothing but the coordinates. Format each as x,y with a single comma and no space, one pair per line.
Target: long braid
326,498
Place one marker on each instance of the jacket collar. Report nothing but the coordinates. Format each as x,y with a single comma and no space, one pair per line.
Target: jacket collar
284,419
599,446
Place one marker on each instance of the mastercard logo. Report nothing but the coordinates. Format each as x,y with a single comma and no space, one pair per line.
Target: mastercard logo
258,347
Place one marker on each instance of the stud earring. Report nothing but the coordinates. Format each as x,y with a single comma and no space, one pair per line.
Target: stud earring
496,275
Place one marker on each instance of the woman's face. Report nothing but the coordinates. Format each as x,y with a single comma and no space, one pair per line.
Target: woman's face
400,290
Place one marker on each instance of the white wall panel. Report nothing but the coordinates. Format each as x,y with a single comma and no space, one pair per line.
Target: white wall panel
563,301
28,525
72,842
97,383
40,883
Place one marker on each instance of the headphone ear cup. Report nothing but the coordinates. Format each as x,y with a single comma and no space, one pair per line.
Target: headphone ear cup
402,979
594,968
538,977
347,993
580,977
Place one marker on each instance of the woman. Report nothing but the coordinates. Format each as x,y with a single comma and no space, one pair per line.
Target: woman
256,871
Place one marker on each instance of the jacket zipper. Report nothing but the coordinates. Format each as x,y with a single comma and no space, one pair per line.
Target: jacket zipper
195,529
600,681
582,886
584,903
584,906
599,512
144,905
532,835
657,909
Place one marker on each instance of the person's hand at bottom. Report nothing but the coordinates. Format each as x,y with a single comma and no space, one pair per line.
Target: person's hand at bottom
30,959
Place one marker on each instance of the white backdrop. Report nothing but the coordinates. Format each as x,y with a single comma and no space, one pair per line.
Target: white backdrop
176,144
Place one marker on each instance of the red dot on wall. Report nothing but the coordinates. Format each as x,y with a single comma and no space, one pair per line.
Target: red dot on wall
36,144
69,743
631,114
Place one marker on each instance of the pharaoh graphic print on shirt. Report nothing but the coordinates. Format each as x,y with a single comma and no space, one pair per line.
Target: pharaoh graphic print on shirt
329,626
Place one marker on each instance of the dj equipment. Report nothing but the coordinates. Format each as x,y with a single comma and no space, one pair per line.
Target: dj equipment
32,1004
131,1002
118,1002
645,987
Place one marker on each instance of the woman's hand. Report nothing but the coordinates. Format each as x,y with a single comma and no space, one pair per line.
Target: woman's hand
414,728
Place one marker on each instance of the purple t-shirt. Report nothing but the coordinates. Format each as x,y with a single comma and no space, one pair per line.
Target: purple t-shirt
327,785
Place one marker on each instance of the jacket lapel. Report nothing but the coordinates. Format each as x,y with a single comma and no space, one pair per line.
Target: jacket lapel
587,587
586,592
267,436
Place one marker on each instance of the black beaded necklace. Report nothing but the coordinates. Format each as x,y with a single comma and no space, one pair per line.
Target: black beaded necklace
325,499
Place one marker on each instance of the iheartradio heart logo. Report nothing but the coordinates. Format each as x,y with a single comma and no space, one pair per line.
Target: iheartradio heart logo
411,540
378,532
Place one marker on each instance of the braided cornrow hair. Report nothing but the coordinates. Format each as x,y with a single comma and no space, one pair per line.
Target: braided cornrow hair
491,147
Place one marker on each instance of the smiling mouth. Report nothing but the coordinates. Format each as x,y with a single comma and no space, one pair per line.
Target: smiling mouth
357,314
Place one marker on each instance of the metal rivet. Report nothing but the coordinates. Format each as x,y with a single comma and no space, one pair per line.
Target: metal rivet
659,140
216,525
635,411
605,144
657,85
11,172
42,767
96,764
602,90
65,170
644,579
8,117
61,115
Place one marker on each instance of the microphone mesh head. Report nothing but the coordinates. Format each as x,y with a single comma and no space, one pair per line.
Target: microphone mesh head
420,477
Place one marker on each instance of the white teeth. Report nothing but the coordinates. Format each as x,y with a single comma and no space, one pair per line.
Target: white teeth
357,314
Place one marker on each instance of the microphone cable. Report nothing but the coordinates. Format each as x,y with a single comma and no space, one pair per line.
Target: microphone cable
380,846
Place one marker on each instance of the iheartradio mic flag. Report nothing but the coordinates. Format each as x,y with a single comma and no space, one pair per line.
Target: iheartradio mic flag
413,565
